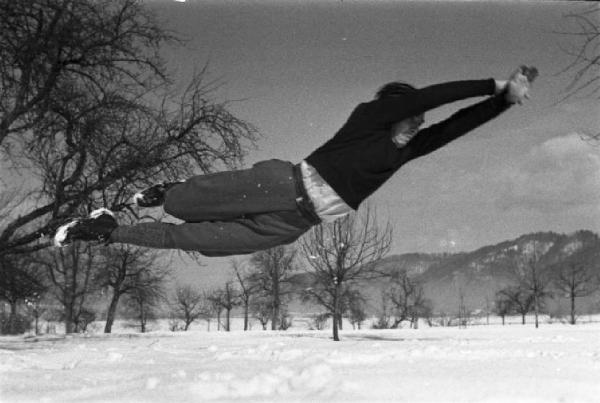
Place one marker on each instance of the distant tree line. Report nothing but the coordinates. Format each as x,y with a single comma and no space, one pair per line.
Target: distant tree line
66,284
329,268
536,281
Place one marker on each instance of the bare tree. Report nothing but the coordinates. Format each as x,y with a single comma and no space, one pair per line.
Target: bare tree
407,298
37,306
503,305
575,280
146,294
341,254
71,271
488,309
89,112
583,32
534,279
517,298
46,45
213,299
384,316
274,270
356,309
228,298
423,309
319,321
463,312
21,281
583,28
126,269
212,309
188,305
261,310
249,286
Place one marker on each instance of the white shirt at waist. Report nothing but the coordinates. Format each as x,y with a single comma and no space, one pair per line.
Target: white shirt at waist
329,206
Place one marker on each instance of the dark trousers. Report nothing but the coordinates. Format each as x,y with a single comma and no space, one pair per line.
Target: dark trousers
230,213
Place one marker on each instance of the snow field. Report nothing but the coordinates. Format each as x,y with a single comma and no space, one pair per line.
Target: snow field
555,363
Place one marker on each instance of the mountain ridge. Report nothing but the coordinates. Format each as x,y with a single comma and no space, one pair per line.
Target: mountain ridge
479,274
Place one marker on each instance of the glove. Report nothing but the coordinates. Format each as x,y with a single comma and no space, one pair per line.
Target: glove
517,87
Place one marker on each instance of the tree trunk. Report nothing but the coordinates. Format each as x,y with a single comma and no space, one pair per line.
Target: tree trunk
246,313
12,318
69,321
336,309
503,319
276,303
143,318
523,318
37,323
536,311
112,310
227,320
572,308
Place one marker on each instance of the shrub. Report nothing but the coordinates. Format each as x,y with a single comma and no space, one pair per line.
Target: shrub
16,324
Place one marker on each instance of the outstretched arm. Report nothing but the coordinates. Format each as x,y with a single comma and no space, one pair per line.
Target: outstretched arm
394,109
508,93
462,122
390,110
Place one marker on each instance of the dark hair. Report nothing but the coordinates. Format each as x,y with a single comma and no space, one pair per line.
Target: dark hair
394,89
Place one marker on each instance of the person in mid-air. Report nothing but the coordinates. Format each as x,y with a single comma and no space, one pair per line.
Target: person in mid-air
275,202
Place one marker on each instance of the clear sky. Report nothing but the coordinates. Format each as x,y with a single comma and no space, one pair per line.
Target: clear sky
302,66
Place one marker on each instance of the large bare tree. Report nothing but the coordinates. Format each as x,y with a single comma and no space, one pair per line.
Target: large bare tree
89,112
342,254
47,45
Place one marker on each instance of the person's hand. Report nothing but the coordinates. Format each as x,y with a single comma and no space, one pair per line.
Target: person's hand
530,72
517,87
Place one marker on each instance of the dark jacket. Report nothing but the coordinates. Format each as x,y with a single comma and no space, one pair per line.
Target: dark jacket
361,156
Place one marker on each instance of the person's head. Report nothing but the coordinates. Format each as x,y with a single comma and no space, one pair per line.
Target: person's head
395,89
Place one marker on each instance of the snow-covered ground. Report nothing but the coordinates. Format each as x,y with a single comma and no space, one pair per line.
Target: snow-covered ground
555,363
